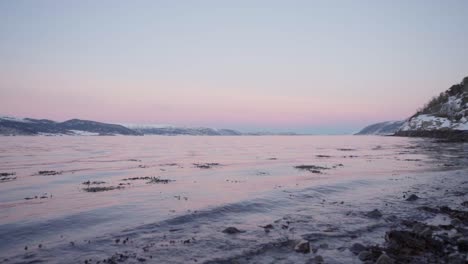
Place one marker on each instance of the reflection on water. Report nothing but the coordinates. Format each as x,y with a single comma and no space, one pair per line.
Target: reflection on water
78,188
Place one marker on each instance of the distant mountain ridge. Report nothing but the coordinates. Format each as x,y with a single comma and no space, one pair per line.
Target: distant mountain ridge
172,130
11,126
30,126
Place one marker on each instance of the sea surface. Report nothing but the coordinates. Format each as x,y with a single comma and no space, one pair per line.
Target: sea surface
163,199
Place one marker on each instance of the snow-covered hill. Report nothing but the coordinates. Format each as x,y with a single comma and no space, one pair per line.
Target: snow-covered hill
448,111
383,128
445,116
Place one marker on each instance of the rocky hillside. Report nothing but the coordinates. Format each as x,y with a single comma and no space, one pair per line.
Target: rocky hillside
445,116
29,126
383,128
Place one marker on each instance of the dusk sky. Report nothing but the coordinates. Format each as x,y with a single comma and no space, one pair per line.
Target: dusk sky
302,66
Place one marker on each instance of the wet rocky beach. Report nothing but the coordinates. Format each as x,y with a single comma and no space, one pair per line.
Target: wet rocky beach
273,200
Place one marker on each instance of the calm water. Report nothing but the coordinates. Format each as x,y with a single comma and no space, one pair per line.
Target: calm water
254,183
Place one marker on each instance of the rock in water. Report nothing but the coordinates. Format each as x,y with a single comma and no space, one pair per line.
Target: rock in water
364,255
316,260
374,214
384,259
463,244
232,230
356,248
302,247
412,197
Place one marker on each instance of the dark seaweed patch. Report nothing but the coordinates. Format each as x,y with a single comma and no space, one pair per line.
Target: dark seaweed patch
49,172
7,176
157,180
206,165
102,188
93,182
311,168
346,149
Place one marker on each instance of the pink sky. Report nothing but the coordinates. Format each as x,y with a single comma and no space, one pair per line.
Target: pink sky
246,65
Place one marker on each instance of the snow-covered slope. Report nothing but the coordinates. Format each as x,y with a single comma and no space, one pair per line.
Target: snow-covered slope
383,128
431,122
445,116
448,111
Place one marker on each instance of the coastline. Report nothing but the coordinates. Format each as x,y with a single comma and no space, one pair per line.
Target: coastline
346,221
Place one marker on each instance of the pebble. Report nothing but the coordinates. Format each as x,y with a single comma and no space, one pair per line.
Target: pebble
384,259
412,197
302,247
374,214
232,230
364,255
356,248
462,244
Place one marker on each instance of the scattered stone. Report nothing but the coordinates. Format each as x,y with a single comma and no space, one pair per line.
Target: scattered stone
323,246
384,259
455,214
267,228
356,248
410,243
302,247
456,258
232,230
412,197
462,244
316,260
364,255
465,203
429,209
374,214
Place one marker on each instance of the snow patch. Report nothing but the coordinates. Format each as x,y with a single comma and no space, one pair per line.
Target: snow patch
15,119
83,133
430,122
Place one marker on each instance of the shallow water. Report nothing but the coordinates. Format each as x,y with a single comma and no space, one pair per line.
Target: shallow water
253,183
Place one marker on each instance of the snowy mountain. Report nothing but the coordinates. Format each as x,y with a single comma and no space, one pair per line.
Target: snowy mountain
383,128
76,127
29,126
172,130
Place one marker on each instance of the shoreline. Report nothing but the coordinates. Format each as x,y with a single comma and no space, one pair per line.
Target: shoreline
349,226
